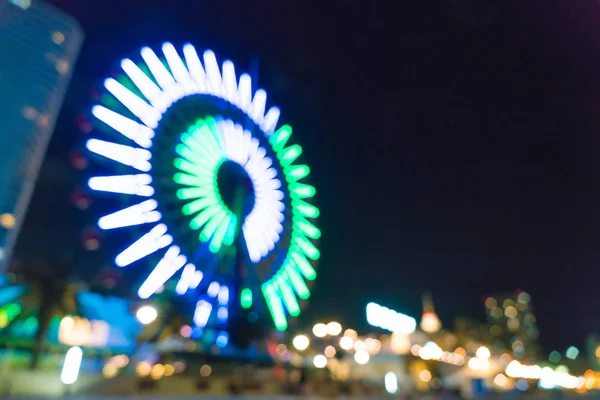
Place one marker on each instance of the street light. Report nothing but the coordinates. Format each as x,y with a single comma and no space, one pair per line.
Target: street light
146,314
301,342
334,328
320,330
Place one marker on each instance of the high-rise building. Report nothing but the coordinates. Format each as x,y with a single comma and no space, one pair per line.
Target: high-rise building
39,45
513,324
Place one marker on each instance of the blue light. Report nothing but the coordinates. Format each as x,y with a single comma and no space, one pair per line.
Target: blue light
222,314
222,339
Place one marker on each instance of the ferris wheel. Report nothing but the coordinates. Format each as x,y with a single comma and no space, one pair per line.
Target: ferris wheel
217,200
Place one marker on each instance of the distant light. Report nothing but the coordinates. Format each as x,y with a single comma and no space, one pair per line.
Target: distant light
351,333
391,383
58,37
524,297
186,331
362,357
246,298
483,353
400,343
425,375
430,322
71,366
24,4
213,289
330,351
346,342
7,221
491,302
205,370
500,380
157,371
320,330
222,339
393,321
301,342
146,314
510,312
143,369
320,361
334,328
522,385
572,352
555,357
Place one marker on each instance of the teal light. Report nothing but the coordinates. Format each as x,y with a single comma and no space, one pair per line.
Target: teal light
246,298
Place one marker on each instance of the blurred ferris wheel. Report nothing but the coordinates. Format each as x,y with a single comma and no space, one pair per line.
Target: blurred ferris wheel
215,185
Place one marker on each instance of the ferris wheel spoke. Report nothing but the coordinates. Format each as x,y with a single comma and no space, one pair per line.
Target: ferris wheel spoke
229,81
204,216
138,185
194,192
132,130
194,65
165,269
308,229
161,74
296,281
297,172
138,214
176,65
219,235
301,191
184,280
138,107
307,247
305,209
280,138
151,242
244,93
246,140
198,205
288,296
288,155
231,231
209,229
193,180
251,244
148,88
257,108
303,265
270,122
136,158
202,313
191,168
212,71
275,306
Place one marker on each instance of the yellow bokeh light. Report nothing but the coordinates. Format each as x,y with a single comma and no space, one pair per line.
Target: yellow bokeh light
205,370
143,368
109,371
425,375
157,371
7,220
169,370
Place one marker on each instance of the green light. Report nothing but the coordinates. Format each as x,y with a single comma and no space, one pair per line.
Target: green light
303,265
193,193
185,179
217,240
211,226
289,154
230,235
280,137
246,298
8,313
204,216
197,205
302,191
288,296
275,307
306,209
307,228
296,280
296,172
307,247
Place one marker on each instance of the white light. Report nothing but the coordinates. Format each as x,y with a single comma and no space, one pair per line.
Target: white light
166,268
185,279
144,84
346,342
320,361
202,313
132,130
257,109
244,94
222,314
125,184
390,320
135,215
270,122
301,342
320,330
223,296
361,357
213,289
136,158
161,74
391,383
149,243
431,351
70,370
483,353
176,64
212,71
194,65
334,328
229,81
144,111
146,314
196,279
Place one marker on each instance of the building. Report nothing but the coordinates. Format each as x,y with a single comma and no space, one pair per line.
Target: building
39,46
513,324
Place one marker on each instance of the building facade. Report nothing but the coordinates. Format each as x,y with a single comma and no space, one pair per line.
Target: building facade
39,45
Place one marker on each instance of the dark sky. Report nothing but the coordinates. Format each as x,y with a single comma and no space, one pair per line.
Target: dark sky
455,145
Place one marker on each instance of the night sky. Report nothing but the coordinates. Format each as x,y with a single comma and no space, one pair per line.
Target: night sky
455,145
